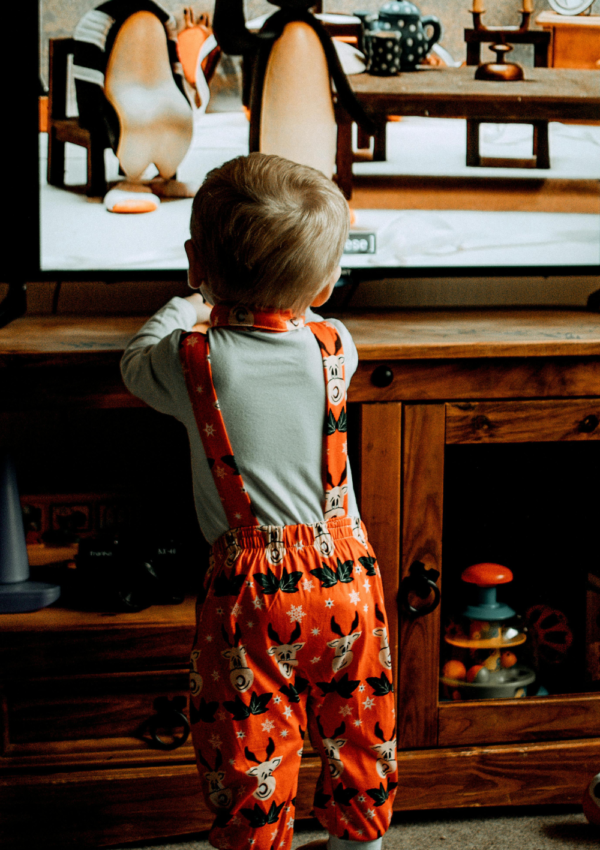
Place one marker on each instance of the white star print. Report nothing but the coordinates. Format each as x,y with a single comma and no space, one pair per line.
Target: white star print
199,389
367,585
216,675
346,710
257,602
209,430
315,660
354,597
284,733
267,725
237,516
316,631
299,545
308,584
358,722
365,608
290,823
362,687
215,741
220,612
357,569
236,609
250,624
329,603
362,799
369,702
221,715
220,470
288,711
370,813
240,734
249,583
277,699
208,638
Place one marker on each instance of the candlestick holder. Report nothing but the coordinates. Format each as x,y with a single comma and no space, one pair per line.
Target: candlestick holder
479,26
499,70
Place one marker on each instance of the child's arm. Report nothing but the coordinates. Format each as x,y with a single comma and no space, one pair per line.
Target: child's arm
150,366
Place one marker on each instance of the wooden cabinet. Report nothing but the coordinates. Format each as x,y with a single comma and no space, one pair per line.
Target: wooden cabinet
575,40
437,396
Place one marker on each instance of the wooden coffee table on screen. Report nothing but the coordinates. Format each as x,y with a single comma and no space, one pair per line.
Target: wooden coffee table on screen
546,94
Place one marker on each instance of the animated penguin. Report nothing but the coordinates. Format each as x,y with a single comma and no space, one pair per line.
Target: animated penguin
289,69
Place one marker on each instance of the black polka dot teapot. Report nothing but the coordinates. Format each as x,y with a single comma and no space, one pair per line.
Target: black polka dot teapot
394,39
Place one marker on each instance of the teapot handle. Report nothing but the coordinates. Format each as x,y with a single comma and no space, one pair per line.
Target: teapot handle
432,21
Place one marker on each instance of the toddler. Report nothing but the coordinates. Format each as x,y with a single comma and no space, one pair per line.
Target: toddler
291,631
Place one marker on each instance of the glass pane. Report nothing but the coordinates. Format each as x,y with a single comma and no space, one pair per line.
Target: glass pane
533,509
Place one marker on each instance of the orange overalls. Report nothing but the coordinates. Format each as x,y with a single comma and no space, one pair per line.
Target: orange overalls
292,631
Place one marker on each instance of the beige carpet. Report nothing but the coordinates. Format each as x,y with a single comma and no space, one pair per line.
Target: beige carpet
522,829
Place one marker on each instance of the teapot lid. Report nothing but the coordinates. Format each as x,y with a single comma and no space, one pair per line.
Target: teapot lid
399,7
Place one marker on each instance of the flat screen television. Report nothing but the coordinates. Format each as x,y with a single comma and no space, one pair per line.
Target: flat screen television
432,215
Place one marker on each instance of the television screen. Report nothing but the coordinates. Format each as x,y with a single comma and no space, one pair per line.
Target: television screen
431,191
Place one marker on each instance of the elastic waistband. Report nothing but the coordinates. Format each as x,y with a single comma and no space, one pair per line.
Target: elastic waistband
287,536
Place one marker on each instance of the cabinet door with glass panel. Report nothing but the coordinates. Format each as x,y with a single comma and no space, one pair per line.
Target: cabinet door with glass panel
501,510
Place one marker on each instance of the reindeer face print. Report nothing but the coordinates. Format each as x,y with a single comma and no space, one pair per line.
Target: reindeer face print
334,370
264,772
332,748
233,550
357,531
219,796
275,551
241,316
240,676
323,540
285,653
386,751
195,677
385,656
343,652
334,496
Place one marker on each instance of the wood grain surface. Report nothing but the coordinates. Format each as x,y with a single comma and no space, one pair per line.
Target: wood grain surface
389,334
422,513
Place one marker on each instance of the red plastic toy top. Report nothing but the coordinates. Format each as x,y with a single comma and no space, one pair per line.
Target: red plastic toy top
487,575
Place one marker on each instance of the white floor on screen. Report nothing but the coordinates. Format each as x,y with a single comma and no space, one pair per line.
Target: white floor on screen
77,233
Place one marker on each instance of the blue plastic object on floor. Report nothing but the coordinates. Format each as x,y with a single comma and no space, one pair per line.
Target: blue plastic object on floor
17,592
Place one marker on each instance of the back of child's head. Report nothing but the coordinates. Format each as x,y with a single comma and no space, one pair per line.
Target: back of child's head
269,232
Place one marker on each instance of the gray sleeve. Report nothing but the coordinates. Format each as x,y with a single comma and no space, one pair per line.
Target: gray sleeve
150,365
350,352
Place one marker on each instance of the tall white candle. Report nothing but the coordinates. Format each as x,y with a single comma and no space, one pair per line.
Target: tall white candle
528,5
478,6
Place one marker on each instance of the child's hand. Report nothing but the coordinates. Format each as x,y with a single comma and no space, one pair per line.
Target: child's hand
201,307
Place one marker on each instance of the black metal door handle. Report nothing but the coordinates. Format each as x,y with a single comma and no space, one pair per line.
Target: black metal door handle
169,719
420,582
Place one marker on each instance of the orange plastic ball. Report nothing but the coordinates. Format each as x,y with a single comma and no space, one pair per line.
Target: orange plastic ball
473,671
454,670
508,659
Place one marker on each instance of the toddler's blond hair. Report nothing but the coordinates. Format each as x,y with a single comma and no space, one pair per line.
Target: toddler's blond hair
269,232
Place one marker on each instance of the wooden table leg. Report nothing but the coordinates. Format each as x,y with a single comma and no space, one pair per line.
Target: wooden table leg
541,144
380,143
344,153
473,157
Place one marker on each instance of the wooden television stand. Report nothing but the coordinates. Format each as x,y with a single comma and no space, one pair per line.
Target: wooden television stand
76,687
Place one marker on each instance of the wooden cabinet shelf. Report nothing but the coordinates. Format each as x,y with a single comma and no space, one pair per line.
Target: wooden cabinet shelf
76,687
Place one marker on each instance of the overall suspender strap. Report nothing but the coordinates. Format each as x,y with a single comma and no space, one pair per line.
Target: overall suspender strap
195,360
335,449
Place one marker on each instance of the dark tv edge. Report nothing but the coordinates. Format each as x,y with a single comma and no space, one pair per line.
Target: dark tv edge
14,304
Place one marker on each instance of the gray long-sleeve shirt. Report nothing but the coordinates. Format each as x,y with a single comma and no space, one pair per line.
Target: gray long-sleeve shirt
271,392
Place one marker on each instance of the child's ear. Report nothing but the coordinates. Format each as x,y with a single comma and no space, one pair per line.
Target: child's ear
196,273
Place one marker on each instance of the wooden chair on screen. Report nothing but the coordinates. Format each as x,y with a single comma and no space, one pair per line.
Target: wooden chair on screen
63,129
